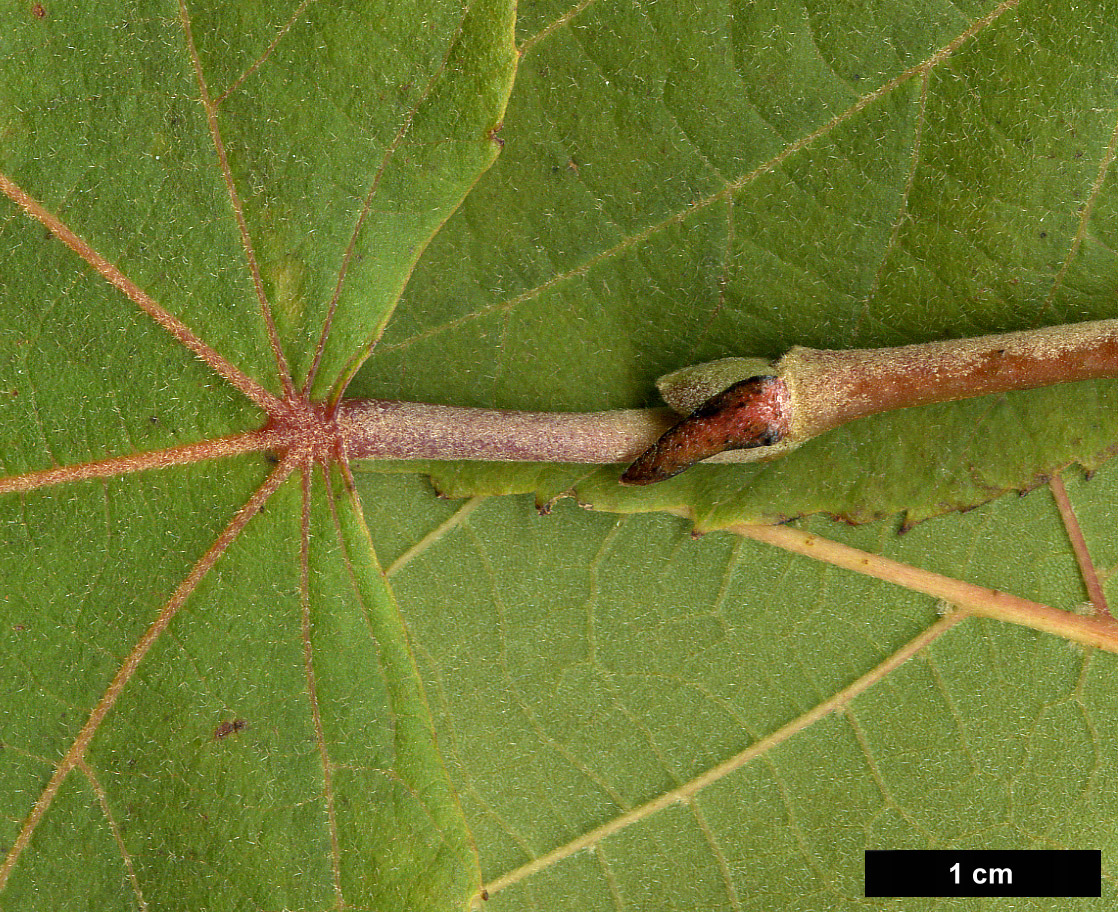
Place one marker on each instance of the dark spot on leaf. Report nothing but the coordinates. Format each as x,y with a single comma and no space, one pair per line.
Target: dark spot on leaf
493,134
39,11
271,457
485,894
225,729
1044,234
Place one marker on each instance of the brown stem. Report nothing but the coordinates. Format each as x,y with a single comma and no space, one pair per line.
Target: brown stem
825,389
415,430
738,409
829,388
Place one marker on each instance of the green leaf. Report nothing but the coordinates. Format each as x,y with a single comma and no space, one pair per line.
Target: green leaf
216,699
681,186
629,661
210,698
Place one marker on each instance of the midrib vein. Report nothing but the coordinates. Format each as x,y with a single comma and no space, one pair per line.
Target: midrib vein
215,448
113,275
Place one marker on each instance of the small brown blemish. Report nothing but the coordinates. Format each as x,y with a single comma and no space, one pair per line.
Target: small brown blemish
485,894
493,134
225,729
39,11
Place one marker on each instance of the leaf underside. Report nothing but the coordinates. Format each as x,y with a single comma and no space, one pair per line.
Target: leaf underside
807,177
210,697
215,697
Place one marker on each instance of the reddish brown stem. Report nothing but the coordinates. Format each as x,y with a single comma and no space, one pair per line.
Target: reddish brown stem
825,389
830,388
